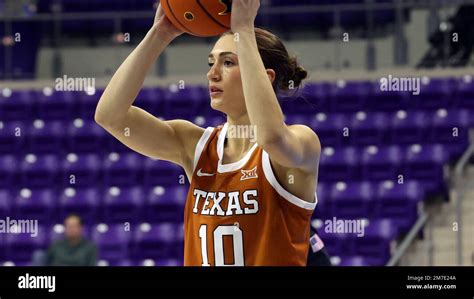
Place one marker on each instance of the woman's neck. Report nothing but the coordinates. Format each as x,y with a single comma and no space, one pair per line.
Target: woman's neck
241,135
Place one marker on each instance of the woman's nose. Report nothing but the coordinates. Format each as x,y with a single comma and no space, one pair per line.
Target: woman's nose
213,73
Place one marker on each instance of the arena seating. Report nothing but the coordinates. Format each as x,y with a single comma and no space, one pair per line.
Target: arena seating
390,161
24,52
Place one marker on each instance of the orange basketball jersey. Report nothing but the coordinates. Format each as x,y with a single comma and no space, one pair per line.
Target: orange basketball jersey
238,214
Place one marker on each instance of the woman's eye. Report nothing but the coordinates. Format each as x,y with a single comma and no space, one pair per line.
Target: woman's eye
226,63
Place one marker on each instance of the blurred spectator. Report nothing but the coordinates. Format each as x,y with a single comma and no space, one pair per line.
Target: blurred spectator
18,7
73,249
459,52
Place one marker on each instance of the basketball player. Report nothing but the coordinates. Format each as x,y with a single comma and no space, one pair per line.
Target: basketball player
250,199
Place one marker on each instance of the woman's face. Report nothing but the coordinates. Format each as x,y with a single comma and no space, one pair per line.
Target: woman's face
224,75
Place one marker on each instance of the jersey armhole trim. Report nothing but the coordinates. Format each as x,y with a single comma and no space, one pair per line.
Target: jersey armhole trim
270,176
200,145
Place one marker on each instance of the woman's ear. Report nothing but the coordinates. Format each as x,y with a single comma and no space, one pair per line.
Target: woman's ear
271,75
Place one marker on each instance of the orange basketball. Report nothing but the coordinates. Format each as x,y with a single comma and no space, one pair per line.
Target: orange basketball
199,17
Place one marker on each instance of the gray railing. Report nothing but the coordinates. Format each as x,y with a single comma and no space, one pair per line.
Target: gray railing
460,185
408,240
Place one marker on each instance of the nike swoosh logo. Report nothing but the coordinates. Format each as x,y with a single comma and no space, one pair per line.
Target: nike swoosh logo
200,173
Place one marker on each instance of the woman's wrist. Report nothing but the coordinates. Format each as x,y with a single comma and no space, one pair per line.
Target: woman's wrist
248,30
160,37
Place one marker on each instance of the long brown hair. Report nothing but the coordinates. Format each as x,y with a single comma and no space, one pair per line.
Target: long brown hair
289,74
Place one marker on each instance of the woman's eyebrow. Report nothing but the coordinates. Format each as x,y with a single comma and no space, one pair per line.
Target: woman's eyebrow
221,54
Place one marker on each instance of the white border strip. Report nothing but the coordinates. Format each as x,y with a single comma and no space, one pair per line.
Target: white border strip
200,145
221,139
270,176
222,168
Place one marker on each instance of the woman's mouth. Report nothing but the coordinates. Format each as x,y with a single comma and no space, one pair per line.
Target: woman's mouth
214,91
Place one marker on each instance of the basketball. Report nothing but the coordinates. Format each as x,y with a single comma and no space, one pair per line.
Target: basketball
199,17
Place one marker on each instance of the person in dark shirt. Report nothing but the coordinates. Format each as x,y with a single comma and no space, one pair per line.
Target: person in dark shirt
73,249
317,254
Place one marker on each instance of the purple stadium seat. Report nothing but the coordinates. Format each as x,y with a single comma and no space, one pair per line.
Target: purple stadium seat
466,93
169,263
85,136
122,169
323,209
83,202
121,263
450,127
16,104
123,204
159,263
39,171
166,204
301,103
369,128
39,204
330,128
81,170
322,21
183,102
154,241
178,251
354,261
213,121
338,164
139,24
46,137
20,247
151,100
8,171
56,232
378,240
350,96
5,203
162,173
400,202
56,104
88,103
380,100
425,162
381,162
410,127
353,200
319,94
10,133
436,93
3,248
115,145
112,241
293,119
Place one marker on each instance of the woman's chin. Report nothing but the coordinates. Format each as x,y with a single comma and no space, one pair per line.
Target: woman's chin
216,103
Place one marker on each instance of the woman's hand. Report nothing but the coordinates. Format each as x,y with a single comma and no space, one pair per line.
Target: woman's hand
165,28
243,15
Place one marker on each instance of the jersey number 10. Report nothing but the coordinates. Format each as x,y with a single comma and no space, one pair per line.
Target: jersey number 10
218,234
